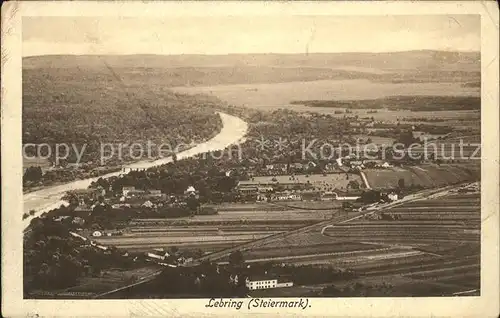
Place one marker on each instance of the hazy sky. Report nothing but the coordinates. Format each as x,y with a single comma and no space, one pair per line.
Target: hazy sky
265,34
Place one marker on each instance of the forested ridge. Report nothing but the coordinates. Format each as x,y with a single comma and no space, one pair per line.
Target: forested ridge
80,108
58,107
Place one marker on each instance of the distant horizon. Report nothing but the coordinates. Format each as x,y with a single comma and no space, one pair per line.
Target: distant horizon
224,35
256,53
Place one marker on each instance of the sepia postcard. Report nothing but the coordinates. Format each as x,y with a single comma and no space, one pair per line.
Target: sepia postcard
333,159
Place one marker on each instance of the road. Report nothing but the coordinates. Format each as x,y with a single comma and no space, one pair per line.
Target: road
365,180
233,131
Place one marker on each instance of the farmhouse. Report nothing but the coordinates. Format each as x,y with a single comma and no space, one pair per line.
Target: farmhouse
190,191
356,164
266,282
148,204
333,167
128,170
385,165
392,196
126,190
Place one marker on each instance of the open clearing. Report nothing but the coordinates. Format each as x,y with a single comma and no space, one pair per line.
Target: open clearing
234,224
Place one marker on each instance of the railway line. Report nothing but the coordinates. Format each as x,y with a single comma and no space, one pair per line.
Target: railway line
340,219
320,226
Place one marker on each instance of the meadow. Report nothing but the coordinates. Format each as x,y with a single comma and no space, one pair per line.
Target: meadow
425,176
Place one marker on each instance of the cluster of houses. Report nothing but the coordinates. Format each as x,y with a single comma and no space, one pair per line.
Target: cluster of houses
292,189
279,186
296,167
362,164
362,123
341,165
130,197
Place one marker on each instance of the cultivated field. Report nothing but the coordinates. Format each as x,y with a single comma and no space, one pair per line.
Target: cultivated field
234,224
108,280
469,150
434,246
427,176
451,210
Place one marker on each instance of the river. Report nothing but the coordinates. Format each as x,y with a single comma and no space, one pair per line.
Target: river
233,131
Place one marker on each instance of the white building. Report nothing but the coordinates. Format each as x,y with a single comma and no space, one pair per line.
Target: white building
392,196
190,191
161,256
126,170
286,197
148,204
386,165
348,198
126,190
264,282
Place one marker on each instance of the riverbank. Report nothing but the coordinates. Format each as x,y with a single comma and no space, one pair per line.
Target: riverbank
233,131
